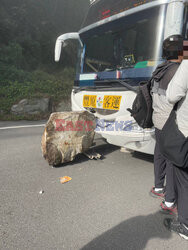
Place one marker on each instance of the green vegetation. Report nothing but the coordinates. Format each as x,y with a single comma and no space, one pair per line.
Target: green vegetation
36,84
28,30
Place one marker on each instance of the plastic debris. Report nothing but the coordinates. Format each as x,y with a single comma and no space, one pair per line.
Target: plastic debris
41,192
65,179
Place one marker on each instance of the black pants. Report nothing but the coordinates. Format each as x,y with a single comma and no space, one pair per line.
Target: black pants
181,189
162,168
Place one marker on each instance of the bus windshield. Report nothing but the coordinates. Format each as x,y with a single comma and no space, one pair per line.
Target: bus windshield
130,42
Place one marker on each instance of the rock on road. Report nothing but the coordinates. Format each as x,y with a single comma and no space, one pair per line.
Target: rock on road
106,205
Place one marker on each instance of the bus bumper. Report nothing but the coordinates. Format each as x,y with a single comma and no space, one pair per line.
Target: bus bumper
143,142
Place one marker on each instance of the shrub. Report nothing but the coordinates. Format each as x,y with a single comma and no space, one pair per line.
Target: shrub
36,84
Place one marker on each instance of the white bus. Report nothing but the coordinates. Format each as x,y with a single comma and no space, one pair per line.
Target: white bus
121,41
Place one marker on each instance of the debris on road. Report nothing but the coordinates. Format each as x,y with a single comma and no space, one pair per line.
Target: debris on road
65,179
41,192
66,135
91,154
125,150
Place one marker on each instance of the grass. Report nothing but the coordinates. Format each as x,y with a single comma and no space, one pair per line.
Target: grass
39,84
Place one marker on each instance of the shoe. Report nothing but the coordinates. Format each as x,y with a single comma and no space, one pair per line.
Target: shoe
157,194
168,210
177,227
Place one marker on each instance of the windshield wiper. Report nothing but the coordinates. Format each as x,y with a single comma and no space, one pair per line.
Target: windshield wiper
78,89
123,83
129,87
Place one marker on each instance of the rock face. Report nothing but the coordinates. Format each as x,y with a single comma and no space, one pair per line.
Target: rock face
66,135
63,106
32,106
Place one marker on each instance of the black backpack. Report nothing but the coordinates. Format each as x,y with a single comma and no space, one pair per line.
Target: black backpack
142,106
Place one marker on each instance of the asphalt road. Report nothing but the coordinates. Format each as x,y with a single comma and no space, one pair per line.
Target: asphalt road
105,206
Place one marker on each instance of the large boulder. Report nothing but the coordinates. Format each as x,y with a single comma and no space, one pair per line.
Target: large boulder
66,135
31,106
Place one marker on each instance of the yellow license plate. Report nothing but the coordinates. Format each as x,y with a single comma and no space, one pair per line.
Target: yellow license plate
112,102
89,101
107,102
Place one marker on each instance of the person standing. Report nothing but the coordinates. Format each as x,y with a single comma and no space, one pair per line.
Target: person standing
178,92
161,110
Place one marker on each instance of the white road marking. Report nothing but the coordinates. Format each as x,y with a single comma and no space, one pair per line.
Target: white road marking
26,126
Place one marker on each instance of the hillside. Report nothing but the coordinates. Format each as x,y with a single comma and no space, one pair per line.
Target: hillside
28,30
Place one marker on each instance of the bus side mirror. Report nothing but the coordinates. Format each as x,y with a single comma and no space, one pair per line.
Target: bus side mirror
62,41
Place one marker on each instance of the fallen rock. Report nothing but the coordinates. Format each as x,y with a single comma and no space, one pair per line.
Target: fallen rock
66,135
31,106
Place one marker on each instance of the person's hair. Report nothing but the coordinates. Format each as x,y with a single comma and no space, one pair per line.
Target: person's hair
171,55
173,47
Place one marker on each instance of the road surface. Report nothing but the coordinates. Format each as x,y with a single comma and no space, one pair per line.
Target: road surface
106,205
